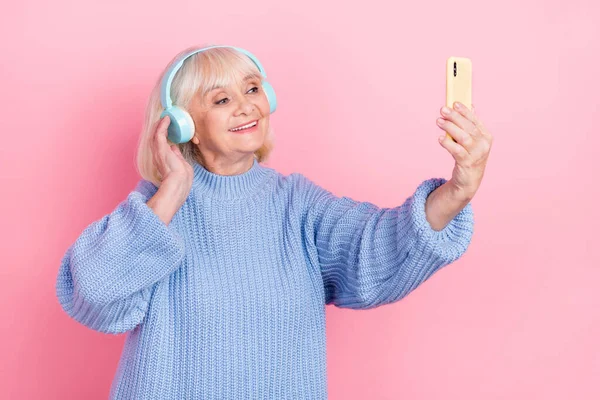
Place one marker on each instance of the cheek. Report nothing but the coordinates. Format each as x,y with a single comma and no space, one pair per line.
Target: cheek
218,124
265,108
264,102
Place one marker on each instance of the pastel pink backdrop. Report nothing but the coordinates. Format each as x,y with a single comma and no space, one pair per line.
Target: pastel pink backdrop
359,89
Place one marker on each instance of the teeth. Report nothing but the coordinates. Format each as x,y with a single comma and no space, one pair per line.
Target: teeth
244,127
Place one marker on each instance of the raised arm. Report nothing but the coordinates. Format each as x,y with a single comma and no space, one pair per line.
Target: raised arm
370,256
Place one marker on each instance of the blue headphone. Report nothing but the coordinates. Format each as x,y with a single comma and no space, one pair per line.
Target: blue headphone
181,127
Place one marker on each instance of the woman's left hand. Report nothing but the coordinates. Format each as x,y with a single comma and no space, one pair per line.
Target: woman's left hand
470,149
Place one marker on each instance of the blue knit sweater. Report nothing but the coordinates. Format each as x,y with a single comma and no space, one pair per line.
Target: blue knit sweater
228,300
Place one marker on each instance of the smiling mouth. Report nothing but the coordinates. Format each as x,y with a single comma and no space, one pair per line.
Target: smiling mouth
245,128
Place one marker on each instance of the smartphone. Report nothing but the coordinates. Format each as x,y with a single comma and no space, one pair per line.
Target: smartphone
458,82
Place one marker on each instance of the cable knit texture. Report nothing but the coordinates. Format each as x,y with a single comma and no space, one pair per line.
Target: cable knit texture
228,300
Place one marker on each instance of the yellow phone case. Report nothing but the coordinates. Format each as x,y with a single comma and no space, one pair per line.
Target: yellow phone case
459,72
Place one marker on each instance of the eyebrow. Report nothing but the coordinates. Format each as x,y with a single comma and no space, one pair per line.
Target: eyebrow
248,77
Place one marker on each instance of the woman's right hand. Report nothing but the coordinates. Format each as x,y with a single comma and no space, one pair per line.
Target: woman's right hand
177,174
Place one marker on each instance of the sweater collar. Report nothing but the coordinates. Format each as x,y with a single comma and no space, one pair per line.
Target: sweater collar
228,186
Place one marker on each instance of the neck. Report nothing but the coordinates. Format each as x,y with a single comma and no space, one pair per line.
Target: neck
237,181
227,168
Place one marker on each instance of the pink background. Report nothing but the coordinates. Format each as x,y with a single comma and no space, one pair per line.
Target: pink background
359,89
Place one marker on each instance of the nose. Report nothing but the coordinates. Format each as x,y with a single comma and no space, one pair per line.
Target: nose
246,106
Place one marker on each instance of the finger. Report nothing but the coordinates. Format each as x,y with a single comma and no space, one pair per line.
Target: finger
178,151
162,129
175,149
160,142
459,135
174,159
471,116
460,120
482,129
455,149
479,128
156,144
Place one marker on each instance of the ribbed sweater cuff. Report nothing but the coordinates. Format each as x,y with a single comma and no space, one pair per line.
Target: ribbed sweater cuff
452,241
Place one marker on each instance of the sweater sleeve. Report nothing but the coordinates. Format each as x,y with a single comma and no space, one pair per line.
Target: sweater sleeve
107,275
370,256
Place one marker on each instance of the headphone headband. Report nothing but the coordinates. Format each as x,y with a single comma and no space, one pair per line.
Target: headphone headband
165,92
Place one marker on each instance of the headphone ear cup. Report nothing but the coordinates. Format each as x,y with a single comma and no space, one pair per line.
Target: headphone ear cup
270,92
181,127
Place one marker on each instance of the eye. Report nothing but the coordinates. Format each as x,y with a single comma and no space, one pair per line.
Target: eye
220,101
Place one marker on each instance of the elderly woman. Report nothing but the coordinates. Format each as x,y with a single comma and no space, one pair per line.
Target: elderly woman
219,268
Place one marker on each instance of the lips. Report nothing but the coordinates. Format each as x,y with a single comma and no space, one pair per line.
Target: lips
245,123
